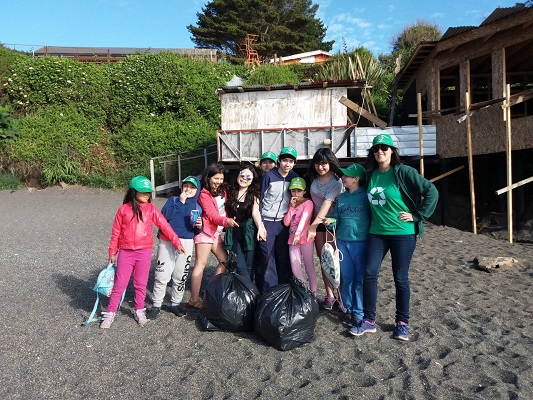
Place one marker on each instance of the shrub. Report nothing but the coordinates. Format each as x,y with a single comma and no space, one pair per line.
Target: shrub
9,181
58,143
273,74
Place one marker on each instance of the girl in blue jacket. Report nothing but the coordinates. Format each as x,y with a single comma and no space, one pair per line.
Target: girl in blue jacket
178,210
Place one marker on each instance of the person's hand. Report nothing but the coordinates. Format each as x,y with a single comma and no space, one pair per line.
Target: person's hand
293,201
311,233
326,221
296,239
405,216
262,234
112,260
180,250
198,223
232,223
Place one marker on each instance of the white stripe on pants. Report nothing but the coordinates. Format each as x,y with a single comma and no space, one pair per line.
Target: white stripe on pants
171,265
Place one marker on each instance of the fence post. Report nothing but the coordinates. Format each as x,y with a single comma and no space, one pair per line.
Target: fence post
205,157
152,177
179,168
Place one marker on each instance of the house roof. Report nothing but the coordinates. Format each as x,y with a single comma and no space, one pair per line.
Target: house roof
64,51
359,83
424,49
302,55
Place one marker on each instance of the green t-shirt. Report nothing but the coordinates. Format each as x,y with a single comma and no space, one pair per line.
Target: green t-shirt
386,203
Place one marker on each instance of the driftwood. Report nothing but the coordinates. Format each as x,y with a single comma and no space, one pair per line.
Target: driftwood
493,264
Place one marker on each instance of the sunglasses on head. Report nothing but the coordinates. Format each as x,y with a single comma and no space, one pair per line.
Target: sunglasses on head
378,147
246,177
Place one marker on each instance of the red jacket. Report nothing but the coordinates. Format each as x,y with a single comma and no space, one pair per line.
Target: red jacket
133,234
211,217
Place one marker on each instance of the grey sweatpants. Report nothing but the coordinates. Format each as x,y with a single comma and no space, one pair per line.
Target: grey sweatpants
171,265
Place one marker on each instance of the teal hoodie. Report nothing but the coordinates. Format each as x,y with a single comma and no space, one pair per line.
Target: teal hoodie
352,216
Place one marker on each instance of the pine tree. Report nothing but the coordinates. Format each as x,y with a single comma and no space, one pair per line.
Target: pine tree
284,26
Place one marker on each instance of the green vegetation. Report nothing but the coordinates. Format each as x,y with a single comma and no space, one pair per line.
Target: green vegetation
97,124
9,181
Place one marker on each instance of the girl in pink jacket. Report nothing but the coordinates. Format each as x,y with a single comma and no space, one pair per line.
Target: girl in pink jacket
131,244
212,199
298,219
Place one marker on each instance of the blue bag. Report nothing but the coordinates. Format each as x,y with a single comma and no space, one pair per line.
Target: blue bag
104,284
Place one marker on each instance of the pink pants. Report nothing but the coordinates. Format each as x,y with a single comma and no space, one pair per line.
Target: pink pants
136,262
305,251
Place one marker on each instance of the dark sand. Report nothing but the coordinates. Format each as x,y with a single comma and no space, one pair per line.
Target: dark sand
471,331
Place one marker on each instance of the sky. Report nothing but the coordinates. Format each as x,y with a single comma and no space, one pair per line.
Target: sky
30,24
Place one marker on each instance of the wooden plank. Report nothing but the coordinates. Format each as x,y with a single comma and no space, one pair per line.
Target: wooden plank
453,171
514,185
508,153
358,109
420,131
470,164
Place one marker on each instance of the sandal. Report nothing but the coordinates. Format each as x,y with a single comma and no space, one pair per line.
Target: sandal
196,304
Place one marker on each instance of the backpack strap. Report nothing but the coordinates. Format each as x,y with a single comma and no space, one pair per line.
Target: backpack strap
91,317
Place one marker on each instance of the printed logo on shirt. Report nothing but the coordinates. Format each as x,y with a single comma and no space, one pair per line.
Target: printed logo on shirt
377,197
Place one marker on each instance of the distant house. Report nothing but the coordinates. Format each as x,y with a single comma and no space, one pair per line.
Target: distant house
310,57
113,54
481,61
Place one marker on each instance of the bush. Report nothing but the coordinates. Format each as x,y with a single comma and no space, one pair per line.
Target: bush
58,143
273,74
9,181
152,136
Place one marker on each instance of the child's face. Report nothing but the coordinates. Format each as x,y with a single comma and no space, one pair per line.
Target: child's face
322,168
189,189
142,197
267,165
215,181
298,194
245,178
350,183
286,164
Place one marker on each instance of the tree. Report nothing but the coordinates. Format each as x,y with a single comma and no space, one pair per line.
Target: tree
284,26
403,46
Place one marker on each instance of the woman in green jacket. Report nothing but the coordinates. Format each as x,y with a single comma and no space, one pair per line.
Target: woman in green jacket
400,199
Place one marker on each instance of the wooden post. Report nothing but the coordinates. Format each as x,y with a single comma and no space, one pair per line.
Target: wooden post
470,163
420,131
152,177
508,151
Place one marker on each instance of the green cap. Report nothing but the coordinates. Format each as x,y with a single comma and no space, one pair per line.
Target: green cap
297,183
354,170
268,155
191,179
288,151
141,184
383,139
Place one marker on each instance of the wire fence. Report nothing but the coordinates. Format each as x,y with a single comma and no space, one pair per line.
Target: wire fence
175,167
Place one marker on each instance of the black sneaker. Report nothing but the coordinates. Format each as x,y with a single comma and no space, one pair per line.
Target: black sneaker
178,311
152,314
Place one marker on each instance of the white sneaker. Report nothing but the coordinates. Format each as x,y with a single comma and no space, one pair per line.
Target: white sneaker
140,316
107,320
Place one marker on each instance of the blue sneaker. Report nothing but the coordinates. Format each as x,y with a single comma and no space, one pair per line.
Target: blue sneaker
401,332
364,327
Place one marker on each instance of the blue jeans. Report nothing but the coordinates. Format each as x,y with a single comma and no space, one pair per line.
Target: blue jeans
401,249
352,275
245,259
275,255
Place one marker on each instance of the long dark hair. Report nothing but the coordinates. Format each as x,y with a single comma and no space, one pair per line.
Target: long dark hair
213,169
371,164
252,194
129,197
321,155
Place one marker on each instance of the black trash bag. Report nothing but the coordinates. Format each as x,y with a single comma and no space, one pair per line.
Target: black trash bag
286,315
230,301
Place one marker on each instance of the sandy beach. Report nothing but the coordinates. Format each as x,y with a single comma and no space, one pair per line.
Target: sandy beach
471,331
